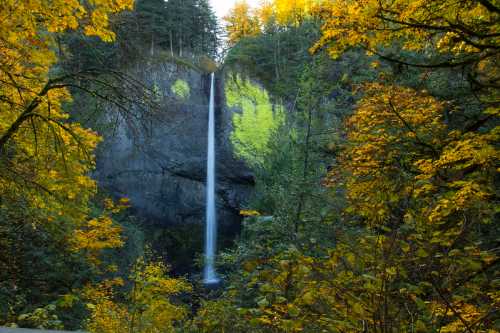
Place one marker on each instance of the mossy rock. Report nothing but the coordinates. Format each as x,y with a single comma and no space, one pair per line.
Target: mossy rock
207,65
181,89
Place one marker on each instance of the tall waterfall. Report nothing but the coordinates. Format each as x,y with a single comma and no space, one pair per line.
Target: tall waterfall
211,220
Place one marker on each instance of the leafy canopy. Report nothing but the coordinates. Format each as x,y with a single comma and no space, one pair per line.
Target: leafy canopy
43,155
459,33
148,306
45,159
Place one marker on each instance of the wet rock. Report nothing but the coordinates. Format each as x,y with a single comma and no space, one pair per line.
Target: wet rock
157,158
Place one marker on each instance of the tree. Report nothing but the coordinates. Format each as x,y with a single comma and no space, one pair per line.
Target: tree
463,34
293,13
149,305
241,22
425,194
38,145
207,32
45,159
420,182
152,20
176,26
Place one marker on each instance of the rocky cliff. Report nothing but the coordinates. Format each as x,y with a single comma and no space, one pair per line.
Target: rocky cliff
157,157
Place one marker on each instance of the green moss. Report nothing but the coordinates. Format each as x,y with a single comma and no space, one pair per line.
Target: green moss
181,89
259,119
207,65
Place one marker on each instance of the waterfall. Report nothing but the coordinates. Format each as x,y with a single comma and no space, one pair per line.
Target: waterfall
210,276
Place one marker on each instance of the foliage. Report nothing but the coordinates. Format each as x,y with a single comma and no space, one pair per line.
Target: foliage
179,26
425,190
259,118
181,89
183,29
42,318
45,189
43,155
241,22
100,233
461,33
147,307
43,260
293,13
409,244
266,57
424,194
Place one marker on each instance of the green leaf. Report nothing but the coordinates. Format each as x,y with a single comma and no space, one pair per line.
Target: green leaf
293,311
422,253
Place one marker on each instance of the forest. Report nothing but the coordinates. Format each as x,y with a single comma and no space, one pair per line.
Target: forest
357,166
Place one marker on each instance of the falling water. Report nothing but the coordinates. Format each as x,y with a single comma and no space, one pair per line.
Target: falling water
211,224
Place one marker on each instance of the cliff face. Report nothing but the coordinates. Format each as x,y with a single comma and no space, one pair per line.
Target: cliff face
157,158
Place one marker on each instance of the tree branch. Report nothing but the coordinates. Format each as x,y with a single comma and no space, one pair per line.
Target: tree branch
489,6
411,129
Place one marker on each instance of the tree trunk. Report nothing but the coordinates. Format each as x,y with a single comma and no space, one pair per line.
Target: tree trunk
171,44
180,46
152,44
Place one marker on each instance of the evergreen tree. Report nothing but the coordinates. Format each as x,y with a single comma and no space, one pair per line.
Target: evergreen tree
177,26
153,21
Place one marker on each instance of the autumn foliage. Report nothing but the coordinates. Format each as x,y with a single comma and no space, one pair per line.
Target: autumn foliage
149,305
415,244
376,204
426,196
245,21
45,159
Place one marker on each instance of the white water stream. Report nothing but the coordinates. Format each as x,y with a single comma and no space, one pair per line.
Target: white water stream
210,276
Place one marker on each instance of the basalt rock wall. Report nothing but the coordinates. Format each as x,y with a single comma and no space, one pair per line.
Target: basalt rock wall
156,157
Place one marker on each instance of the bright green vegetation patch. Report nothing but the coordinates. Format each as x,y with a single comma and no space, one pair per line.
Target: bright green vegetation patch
181,89
259,119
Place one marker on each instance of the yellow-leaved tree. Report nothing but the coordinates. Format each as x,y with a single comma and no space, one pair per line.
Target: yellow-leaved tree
426,195
244,21
241,21
423,190
149,305
45,158
454,33
293,12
